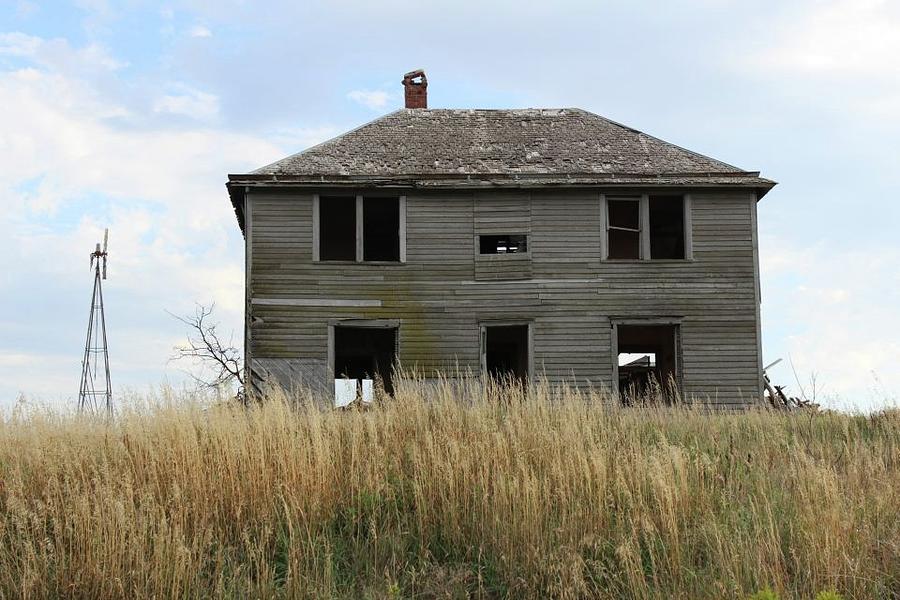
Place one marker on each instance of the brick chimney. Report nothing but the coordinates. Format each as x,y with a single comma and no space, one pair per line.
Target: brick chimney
416,86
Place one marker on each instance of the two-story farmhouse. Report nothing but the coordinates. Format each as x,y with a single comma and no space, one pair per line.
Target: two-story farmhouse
538,242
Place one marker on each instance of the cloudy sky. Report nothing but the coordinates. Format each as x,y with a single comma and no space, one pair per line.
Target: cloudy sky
130,114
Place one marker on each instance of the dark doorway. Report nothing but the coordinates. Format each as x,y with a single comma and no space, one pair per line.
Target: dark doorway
506,351
647,362
365,353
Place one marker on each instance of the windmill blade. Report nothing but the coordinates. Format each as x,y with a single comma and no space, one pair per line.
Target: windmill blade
104,266
105,238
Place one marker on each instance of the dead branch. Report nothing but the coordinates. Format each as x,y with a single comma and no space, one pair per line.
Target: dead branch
206,347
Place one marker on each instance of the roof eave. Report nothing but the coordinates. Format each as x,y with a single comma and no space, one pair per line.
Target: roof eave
494,178
238,184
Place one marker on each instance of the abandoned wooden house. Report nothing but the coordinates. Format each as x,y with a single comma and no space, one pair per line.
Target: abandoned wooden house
537,242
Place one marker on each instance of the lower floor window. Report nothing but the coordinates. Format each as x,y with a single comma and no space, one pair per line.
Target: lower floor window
365,354
505,352
647,361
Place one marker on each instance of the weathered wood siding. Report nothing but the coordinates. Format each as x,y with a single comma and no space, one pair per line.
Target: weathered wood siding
561,285
502,213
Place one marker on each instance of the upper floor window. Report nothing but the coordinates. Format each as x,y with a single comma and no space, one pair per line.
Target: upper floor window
381,229
337,228
666,227
357,228
648,227
624,227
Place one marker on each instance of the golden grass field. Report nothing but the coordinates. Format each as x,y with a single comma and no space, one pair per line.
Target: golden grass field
448,492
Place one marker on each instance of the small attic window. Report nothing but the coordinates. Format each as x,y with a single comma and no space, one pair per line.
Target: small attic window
503,244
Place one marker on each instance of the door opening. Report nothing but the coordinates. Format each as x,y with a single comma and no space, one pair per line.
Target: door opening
365,353
506,352
647,362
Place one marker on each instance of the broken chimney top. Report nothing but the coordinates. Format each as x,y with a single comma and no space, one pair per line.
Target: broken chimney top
416,87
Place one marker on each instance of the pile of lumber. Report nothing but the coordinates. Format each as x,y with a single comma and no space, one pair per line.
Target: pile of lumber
777,399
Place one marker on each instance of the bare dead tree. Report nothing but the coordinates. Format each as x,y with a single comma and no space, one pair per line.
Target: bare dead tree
206,347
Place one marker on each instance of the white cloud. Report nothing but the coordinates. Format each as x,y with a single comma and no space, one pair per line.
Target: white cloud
19,44
834,314
840,37
68,172
192,103
43,375
58,55
374,99
200,31
25,8
98,55
838,55
300,138
98,14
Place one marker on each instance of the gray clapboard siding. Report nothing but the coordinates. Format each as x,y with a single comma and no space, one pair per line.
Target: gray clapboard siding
503,266
502,213
562,286
566,234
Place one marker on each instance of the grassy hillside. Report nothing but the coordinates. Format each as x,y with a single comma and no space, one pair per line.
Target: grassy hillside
449,493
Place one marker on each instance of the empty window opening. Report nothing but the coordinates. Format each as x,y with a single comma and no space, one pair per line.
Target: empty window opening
624,228
666,227
378,237
337,228
365,353
506,352
381,229
647,362
502,244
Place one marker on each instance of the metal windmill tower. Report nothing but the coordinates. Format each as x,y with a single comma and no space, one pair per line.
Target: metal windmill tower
96,390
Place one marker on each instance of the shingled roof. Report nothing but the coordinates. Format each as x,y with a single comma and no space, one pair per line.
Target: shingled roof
525,147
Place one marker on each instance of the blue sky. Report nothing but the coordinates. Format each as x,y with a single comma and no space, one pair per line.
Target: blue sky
130,114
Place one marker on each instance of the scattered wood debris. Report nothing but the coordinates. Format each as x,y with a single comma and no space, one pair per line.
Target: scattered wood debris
776,397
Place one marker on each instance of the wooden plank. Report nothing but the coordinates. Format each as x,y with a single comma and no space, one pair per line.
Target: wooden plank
248,286
757,288
315,229
604,225
688,228
316,302
645,227
402,209
359,228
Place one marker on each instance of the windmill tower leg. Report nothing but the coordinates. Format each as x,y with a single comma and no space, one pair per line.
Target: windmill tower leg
85,392
108,387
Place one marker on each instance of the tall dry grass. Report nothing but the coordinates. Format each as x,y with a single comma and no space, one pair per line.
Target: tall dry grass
449,492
